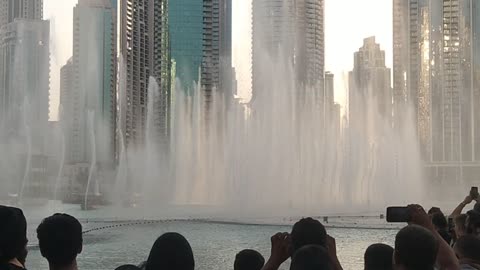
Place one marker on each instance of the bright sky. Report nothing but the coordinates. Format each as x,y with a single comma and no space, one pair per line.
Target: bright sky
347,23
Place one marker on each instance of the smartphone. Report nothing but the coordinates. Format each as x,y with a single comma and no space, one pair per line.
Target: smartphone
398,214
474,193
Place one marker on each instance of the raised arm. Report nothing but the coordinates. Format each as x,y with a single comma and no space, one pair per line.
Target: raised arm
458,211
446,258
280,251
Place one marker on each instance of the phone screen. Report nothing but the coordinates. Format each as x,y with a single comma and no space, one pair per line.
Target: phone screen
397,214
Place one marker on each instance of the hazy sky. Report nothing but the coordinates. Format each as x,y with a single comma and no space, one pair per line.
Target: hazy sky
347,23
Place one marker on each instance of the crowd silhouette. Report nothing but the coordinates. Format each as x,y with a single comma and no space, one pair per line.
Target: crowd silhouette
429,241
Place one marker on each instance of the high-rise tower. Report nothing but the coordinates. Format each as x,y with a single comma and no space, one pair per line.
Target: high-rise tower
183,41
435,72
93,83
369,81
24,69
291,32
20,9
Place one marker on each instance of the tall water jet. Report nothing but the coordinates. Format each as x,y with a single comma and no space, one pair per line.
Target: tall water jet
28,137
152,147
91,124
120,192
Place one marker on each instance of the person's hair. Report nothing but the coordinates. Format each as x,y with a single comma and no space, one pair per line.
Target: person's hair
440,221
434,210
460,221
379,257
311,257
415,248
308,231
13,233
476,207
248,259
128,267
171,251
60,239
468,247
472,223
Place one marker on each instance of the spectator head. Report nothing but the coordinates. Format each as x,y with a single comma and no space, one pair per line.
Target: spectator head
434,210
472,223
415,248
468,247
60,239
460,228
379,257
248,259
13,234
439,221
311,257
128,267
171,251
476,207
308,231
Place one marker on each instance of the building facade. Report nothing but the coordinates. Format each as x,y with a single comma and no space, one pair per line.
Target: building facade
179,43
435,69
66,110
144,47
24,95
10,33
369,85
24,79
24,9
89,83
291,32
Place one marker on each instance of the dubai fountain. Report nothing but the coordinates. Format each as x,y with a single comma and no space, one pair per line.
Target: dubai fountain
277,156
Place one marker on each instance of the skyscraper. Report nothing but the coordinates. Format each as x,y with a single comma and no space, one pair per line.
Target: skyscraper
435,72
67,106
22,9
293,34
24,72
93,66
144,47
183,41
201,43
369,84
9,11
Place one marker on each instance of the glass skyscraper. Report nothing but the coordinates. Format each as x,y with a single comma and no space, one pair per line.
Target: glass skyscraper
184,41
292,32
185,27
94,81
436,55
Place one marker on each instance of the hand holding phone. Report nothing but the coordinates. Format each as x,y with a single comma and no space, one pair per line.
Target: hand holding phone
474,193
398,214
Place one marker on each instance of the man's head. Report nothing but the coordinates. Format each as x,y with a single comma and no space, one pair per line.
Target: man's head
439,221
311,257
434,210
13,234
379,257
171,251
308,231
128,267
460,227
248,259
60,239
468,247
476,207
472,223
415,248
